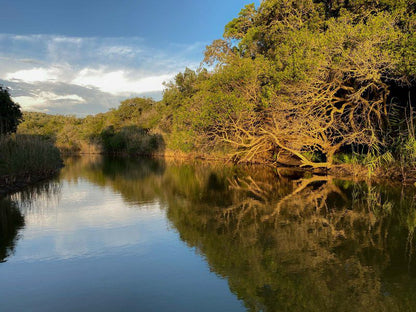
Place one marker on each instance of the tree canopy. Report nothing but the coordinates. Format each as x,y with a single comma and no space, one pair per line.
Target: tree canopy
10,114
302,79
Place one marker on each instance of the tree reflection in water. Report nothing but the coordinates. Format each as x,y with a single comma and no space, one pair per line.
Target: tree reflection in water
313,244
13,209
284,241
11,221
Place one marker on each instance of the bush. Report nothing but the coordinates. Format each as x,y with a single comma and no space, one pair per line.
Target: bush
131,140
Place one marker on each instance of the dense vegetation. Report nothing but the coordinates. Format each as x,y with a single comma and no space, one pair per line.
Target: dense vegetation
27,155
10,114
305,79
23,158
126,129
301,82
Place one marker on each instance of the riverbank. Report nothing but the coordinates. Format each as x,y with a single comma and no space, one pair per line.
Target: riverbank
26,160
393,172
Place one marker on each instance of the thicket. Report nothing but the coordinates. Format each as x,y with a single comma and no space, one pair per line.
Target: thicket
129,129
23,158
300,82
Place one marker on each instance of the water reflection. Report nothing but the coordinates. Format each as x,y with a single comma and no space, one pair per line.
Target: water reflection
136,179
321,245
284,241
13,209
11,221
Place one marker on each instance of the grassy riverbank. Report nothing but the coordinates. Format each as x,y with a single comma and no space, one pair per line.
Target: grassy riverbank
26,159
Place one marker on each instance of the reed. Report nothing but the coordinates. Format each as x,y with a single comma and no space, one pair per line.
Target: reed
28,155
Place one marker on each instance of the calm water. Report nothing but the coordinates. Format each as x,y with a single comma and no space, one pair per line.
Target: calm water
150,235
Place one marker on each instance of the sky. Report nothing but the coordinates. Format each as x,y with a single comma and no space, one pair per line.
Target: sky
84,57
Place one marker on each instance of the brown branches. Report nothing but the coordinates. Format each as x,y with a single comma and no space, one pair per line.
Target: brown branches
311,121
324,90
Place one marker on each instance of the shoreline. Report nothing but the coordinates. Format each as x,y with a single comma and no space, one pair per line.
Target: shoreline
14,183
10,184
357,172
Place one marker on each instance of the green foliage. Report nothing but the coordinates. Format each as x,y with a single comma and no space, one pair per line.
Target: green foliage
10,114
131,140
121,130
374,161
295,80
238,27
182,140
142,112
283,56
409,150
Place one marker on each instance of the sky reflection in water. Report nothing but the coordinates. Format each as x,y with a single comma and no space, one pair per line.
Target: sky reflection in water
120,234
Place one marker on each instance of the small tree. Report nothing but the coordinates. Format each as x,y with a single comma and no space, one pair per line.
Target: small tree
10,114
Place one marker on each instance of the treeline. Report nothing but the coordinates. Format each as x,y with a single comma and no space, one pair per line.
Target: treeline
129,129
298,82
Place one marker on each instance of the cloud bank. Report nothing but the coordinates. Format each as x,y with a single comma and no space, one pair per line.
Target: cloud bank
71,75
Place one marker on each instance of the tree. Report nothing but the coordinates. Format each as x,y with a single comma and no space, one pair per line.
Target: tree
332,65
10,114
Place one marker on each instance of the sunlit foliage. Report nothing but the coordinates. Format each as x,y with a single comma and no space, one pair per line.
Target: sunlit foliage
291,81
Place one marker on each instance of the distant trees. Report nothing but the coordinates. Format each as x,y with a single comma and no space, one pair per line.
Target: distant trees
128,129
10,114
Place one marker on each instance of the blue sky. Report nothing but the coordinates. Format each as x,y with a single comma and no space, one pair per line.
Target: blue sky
83,57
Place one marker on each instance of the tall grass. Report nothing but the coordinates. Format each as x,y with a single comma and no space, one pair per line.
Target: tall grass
27,155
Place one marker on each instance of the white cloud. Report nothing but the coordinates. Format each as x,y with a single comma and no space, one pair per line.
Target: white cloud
24,37
115,67
34,75
116,82
119,82
31,103
115,51
104,224
72,40
42,99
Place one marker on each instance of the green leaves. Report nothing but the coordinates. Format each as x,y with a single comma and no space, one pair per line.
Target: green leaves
238,27
10,114
319,75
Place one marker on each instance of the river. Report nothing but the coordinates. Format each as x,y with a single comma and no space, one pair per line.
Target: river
119,234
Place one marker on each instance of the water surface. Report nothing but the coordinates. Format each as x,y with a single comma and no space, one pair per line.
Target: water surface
150,235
